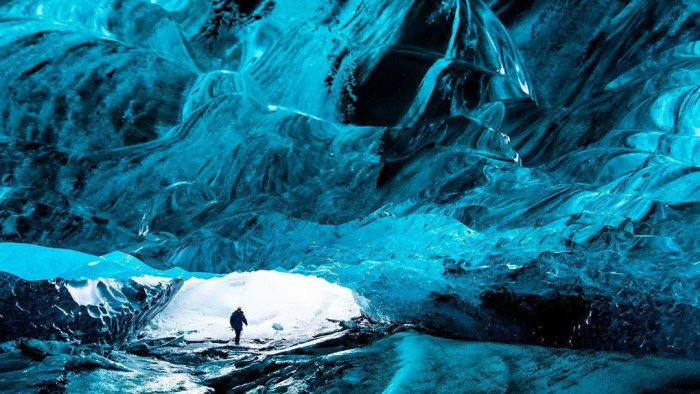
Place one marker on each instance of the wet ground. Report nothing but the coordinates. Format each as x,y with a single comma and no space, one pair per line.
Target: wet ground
362,356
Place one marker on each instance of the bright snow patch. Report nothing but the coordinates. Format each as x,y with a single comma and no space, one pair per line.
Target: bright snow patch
299,304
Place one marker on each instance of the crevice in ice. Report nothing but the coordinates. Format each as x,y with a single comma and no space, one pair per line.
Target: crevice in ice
410,361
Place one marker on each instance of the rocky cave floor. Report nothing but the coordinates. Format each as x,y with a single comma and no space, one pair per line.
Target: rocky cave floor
361,356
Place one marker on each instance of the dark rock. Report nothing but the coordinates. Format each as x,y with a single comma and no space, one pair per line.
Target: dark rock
45,309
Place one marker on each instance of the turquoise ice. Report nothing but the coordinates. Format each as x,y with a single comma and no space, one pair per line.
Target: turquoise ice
486,170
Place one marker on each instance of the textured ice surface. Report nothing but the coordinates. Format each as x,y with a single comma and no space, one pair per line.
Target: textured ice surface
90,310
405,362
512,171
416,363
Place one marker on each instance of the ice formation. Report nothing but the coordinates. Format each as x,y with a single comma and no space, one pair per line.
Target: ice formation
523,172
109,298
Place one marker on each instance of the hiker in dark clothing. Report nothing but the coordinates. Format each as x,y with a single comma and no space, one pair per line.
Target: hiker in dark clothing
237,320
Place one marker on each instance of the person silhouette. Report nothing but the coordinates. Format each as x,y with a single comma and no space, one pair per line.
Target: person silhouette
237,319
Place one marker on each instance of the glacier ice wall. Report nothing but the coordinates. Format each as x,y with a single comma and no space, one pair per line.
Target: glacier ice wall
90,310
511,171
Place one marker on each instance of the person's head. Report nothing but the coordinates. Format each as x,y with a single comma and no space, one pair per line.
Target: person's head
239,308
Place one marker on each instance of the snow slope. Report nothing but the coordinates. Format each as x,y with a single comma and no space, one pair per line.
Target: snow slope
300,304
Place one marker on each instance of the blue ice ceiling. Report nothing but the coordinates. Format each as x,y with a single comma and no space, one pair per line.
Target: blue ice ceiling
501,170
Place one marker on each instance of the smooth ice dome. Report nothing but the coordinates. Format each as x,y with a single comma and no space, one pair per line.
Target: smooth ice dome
33,262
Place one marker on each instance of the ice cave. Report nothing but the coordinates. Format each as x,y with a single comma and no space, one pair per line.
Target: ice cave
402,196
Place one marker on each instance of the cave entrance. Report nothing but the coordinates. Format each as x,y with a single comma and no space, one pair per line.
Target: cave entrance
278,306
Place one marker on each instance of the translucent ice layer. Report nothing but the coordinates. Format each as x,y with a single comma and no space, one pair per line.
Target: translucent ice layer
511,171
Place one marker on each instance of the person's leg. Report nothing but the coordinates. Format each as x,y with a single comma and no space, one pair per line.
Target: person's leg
238,336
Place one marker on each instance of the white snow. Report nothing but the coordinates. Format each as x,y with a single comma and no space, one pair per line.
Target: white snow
300,304
87,292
